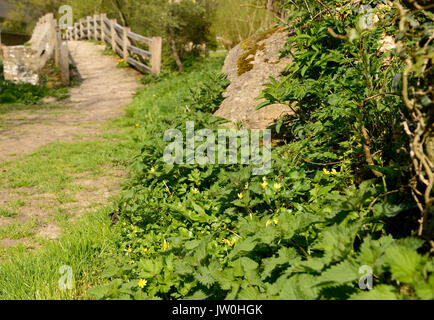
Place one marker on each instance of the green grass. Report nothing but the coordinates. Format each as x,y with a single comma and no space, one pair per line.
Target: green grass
30,269
28,275
53,167
33,274
18,230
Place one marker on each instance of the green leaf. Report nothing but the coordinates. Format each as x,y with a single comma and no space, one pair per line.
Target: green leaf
425,291
344,272
243,246
380,292
405,264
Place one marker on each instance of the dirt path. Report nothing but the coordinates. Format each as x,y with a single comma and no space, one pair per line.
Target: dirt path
104,91
101,95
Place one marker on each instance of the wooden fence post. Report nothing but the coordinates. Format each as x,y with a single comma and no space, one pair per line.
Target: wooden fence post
102,27
76,31
89,33
125,42
64,63
156,47
81,29
95,27
113,34
57,41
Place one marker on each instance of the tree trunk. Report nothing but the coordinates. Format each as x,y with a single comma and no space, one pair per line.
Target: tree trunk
176,56
117,5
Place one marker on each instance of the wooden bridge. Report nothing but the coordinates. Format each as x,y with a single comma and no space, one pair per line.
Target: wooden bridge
128,45
48,41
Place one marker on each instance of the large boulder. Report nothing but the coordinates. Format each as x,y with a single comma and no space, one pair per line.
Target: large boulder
248,66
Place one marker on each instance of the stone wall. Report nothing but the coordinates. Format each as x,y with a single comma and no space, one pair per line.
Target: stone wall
19,65
23,64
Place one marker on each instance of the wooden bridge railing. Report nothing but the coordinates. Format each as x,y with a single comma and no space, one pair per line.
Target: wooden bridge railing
121,39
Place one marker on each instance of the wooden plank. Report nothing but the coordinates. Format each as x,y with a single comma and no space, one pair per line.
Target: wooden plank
119,51
118,27
113,34
139,65
139,38
143,53
119,42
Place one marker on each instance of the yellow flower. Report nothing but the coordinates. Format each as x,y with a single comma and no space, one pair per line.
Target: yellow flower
230,243
132,227
277,186
165,244
268,223
275,221
142,283
334,171
264,184
240,195
124,224
137,124
152,171
144,250
325,171
246,186
264,178
128,251
195,191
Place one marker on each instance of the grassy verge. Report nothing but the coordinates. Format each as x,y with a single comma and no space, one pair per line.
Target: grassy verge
84,248
50,181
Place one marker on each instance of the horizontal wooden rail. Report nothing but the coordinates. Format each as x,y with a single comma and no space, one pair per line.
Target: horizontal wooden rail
121,39
143,53
139,38
139,65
